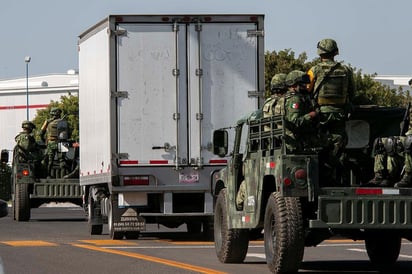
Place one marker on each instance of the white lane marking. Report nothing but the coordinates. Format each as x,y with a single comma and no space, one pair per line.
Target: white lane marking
256,255
364,251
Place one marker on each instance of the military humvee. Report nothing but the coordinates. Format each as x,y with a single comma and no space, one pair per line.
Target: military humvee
289,199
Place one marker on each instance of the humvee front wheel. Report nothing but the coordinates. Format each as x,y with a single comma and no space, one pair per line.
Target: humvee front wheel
230,244
283,234
21,203
382,247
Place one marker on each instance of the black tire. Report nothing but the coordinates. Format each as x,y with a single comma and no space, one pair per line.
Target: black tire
230,244
383,248
94,229
21,203
115,235
283,234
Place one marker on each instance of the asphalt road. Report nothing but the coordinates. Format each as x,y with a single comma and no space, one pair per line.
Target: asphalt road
56,240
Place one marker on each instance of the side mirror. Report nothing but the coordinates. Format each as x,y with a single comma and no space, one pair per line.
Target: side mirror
220,142
4,156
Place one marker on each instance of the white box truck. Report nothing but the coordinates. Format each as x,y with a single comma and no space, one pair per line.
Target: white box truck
152,88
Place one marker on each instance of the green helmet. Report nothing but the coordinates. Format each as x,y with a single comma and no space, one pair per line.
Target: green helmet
326,46
278,82
28,125
55,111
296,77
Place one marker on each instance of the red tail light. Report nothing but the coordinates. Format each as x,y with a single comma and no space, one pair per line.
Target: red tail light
25,172
300,174
135,180
287,181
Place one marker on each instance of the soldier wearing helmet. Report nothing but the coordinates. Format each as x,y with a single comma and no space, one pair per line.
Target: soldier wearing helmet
299,115
332,88
26,146
56,129
274,105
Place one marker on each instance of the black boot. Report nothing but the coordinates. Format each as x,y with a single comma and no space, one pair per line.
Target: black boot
406,180
378,179
387,182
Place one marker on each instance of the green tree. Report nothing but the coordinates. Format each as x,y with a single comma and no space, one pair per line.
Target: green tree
70,108
367,91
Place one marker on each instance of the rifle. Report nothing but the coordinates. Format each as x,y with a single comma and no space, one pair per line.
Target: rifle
406,120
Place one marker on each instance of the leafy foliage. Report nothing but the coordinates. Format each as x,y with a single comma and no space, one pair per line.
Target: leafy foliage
70,108
367,91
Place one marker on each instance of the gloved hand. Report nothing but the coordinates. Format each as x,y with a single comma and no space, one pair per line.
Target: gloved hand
311,116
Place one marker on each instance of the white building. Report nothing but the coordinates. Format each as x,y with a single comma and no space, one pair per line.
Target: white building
15,101
394,81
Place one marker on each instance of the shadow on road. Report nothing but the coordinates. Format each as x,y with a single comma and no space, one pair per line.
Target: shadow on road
350,267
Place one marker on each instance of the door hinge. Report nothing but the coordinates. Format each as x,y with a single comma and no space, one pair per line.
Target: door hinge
118,32
119,94
120,156
199,72
176,116
255,93
176,72
257,33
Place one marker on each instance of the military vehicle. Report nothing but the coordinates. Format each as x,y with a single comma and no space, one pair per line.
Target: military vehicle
288,197
32,186
152,90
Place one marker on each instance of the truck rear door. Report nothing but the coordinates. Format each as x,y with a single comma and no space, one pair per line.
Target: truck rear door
152,110
223,79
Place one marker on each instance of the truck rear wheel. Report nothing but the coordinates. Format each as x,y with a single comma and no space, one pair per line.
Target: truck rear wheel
21,203
383,247
283,234
230,244
94,229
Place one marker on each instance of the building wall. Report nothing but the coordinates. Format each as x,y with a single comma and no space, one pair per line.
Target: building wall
41,91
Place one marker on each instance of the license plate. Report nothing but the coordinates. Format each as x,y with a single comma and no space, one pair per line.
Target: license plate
189,178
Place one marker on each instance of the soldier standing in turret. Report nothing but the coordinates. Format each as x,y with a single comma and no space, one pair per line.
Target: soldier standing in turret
53,128
332,87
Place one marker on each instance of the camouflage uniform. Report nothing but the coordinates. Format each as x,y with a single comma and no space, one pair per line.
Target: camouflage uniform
51,127
27,149
300,131
391,154
388,160
274,105
26,146
332,87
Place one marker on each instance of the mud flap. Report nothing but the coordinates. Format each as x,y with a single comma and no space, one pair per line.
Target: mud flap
127,219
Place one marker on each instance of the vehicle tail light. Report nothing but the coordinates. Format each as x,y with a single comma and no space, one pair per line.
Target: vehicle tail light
135,180
287,181
25,172
300,174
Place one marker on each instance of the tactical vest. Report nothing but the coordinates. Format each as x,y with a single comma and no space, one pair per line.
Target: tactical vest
58,129
274,106
268,107
331,87
52,132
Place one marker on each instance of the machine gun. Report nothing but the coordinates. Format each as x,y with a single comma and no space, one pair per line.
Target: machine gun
406,120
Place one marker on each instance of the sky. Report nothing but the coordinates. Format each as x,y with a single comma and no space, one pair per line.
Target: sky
372,35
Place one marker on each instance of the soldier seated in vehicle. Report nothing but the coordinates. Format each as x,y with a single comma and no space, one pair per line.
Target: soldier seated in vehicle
275,104
27,150
390,155
300,118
